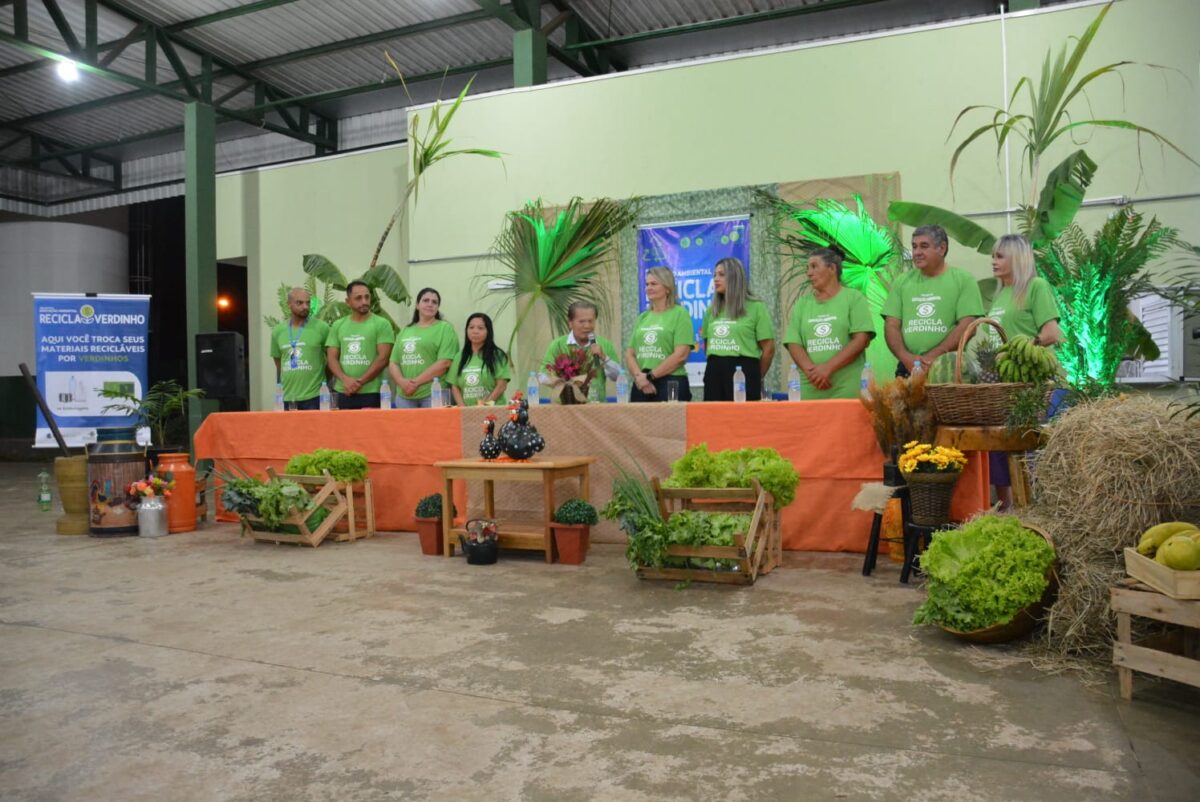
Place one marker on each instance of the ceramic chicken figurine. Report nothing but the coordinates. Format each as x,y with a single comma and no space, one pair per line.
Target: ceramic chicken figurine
518,438
489,446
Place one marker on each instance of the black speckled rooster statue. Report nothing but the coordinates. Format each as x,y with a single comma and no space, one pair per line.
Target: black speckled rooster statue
489,446
518,438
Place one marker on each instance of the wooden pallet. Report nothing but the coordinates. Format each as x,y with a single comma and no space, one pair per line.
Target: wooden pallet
1130,598
757,551
326,495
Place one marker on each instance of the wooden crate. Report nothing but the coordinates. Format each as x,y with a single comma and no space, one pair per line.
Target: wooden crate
757,551
1176,584
1130,598
327,495
360,516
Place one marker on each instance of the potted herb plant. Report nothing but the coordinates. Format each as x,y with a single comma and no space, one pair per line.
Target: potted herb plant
572,527
429,524
161,410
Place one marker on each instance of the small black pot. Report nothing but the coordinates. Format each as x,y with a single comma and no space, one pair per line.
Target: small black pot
480,553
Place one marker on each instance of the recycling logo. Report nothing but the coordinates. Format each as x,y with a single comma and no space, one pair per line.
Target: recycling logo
410,346
822,329
721,330
472,379
87,311
925,310
354,346
651,337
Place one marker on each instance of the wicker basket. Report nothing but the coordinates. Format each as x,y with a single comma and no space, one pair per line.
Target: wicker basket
961,404
1026,619
929,495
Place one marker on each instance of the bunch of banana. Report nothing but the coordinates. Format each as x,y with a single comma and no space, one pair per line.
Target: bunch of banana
1020,360
1175,544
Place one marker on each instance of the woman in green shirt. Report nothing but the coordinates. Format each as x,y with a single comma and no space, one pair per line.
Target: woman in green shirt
737,332
828,331
424,350
480,374
1024,304
662,339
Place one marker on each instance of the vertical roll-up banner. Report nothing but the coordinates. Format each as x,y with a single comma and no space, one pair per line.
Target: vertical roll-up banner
87,344
691,250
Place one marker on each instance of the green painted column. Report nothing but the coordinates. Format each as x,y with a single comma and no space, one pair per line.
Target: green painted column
1023,5
200,237
529,57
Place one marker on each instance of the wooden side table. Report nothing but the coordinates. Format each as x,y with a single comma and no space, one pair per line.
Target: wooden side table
996,438
534,536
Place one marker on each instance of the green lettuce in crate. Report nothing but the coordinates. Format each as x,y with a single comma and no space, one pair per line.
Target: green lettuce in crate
344,466
700,467
983,574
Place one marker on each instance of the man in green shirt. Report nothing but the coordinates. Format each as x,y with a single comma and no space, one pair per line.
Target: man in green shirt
298,348
928,309
357,350
581,316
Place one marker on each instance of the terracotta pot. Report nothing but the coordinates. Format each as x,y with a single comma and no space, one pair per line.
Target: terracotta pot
430,532
181,505
571,542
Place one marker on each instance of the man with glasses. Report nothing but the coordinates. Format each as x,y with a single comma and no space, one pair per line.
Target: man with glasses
298,348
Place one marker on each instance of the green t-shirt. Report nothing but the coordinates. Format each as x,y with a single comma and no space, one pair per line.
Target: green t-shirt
725,336
306,345
418,347
358,346
1040,308
657,334
599,386
928,308
823,329
475,381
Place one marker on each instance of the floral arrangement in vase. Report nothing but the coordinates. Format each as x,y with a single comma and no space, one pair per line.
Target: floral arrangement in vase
572,372
921,457
150,487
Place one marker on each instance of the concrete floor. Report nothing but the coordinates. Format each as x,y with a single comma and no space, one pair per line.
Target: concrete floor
205,667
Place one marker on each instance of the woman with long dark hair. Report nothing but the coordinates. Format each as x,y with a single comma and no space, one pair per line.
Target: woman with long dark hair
737,332
424,350
481,373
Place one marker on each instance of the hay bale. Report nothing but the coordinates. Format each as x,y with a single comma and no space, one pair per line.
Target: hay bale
1110,469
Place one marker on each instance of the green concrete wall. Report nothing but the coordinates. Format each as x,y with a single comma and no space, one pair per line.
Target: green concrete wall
870,106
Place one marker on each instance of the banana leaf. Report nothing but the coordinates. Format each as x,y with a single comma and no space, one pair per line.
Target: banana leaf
960,229
325,271
1062,197
385,279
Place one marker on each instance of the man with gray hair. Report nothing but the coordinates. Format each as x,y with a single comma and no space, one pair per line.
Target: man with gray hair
928,309
298,348
581,317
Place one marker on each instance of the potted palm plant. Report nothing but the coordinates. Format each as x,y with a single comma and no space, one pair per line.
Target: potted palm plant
162,409
429,524
572,527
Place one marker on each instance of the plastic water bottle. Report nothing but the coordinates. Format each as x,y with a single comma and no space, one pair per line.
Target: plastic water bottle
739,384
622,387
864,382
531,388
793,383
385,394
279,398
917,367
435,393
44,491
324,396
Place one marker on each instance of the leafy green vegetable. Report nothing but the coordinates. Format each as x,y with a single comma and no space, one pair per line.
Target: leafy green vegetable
983,574
271,501
700,467
648,545
344,466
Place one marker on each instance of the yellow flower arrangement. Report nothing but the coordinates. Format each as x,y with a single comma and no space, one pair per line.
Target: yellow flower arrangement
921,457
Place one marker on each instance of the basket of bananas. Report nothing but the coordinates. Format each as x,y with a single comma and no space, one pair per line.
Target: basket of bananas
999,374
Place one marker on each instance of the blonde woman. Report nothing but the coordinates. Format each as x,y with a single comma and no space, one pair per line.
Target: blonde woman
737,332
662,339
1024,304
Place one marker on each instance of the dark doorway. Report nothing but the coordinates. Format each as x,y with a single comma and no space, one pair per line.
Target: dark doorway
233,314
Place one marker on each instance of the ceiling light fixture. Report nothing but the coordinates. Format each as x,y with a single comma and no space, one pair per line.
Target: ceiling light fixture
67,70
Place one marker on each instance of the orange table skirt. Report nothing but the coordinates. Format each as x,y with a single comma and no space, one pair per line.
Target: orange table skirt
833,447
830,443
400,445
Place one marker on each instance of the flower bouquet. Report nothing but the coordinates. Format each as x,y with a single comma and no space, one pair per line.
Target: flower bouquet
480,542
931,472
150,487
572,371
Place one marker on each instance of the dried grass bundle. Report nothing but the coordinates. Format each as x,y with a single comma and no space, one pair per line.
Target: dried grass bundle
1110,470
900,411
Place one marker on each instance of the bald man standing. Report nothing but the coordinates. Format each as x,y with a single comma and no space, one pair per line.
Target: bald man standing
298,348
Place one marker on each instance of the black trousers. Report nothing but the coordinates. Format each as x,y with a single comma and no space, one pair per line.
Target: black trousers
358,401
308,403
660,387
718,378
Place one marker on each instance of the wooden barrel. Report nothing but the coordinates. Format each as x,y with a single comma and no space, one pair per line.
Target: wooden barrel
71,474
114,462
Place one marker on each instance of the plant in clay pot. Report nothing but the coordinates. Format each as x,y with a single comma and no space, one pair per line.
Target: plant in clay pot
429,524
572,528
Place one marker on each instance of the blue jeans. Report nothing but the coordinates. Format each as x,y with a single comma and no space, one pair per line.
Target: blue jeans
400,402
